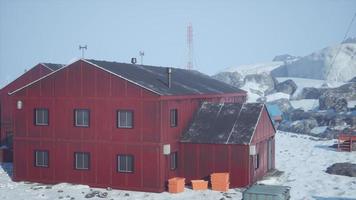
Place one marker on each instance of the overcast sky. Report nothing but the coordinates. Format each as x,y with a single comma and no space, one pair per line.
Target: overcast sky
226,33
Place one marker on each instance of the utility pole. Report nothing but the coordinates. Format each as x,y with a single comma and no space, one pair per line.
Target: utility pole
83,48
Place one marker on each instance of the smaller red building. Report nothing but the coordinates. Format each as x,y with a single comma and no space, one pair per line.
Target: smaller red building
6,114
229,137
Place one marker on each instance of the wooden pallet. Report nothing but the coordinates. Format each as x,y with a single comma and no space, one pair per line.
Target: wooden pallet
345,142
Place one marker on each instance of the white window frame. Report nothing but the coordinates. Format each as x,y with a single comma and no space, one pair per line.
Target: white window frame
37,115
77,158
126,119
41,154
175,117
76,117
126,160
174,160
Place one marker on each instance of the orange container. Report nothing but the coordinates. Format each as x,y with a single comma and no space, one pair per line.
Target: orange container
220,187
199,184
176,185
219,177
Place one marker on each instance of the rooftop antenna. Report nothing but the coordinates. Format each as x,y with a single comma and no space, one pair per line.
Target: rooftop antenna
83,48
142,53
190,46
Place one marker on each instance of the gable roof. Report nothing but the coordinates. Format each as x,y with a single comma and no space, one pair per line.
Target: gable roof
224,123
53,66
184,82
154,79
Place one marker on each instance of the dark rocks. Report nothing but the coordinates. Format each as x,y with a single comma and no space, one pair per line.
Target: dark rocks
96,193
336,98
311,93
232,78
287,86
326,102
284,57
127,194
300,126
343,169
264,79
353,80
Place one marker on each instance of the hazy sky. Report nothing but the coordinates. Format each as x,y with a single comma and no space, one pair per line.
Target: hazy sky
226,33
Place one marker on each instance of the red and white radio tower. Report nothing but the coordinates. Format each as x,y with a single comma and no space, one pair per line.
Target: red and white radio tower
190,46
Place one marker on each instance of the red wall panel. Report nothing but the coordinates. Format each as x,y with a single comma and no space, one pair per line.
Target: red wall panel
200,160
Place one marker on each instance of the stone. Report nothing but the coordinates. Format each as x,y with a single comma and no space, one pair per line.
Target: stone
343,169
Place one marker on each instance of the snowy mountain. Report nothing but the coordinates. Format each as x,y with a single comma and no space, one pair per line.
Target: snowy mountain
334,63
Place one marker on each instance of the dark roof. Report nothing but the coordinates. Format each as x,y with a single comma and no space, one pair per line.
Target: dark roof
224,123
184,82
52,66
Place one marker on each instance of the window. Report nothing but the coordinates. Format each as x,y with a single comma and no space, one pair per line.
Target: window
41,158
81,160
41,116
125,119
125,163
257,165
81,117
174,160
174,117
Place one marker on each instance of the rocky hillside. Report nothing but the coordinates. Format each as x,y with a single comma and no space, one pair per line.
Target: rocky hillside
323,64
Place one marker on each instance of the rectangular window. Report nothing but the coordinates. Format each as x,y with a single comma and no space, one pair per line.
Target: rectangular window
125,163
174,160
81,160
81,117
125,119
41,158
174,117
41,117
257,161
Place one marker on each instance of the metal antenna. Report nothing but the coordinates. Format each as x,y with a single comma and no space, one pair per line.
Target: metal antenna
190,47
142,53
83,48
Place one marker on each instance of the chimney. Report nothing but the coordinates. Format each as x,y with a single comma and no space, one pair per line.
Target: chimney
133,60
169,76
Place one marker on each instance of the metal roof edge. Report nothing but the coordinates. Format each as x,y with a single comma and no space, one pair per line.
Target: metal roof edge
237,118
43,77
44,65
254,129
131,81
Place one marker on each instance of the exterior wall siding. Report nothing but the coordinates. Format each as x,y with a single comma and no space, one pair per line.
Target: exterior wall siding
198,161
6,103
263,133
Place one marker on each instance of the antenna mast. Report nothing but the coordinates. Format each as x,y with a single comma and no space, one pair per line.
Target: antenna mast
142,53
190,46
83,48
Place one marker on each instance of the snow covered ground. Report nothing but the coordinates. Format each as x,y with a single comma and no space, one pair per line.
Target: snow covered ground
303,161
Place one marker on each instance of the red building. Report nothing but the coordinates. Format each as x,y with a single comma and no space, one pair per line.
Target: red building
6,118
126,126
229,137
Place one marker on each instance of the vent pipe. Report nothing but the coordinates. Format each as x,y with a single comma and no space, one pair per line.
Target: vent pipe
169,77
